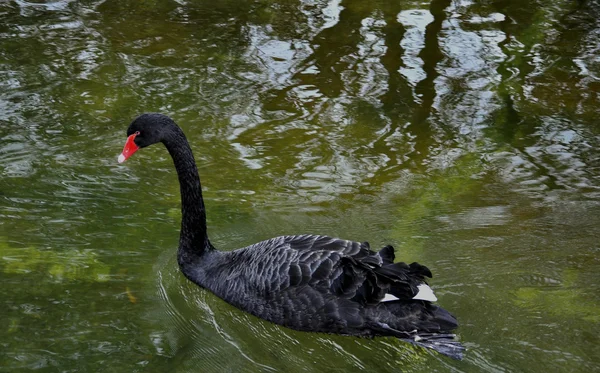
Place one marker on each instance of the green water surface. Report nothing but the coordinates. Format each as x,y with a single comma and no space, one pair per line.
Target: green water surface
464,133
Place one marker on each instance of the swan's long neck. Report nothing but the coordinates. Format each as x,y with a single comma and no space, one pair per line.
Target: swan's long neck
193,239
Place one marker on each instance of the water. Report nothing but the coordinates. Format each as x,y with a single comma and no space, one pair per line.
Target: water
463,133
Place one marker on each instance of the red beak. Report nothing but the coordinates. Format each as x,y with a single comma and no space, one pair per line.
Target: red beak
129,149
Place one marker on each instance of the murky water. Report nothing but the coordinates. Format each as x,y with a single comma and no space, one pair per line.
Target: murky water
464,133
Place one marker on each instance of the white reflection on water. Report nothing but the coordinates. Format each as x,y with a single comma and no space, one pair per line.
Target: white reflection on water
413,42
472,60
27,7
332,13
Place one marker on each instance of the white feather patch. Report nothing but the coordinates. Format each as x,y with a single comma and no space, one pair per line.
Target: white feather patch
425,293
389,298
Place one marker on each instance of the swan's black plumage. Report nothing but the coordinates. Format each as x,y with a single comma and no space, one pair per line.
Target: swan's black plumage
304,282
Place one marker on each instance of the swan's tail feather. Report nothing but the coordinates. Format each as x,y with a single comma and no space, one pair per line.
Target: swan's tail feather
445,344
432,330
443,318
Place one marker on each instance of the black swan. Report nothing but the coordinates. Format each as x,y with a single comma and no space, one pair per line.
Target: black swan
305,282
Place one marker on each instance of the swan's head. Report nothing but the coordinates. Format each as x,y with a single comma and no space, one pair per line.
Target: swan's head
145,130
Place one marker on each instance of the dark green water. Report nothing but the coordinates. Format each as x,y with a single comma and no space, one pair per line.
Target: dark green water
466,134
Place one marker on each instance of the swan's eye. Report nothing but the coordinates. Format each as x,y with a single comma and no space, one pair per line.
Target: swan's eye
137,133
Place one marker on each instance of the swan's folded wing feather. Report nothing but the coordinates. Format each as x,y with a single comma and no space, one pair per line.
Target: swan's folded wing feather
324,269
387,254
350,270
307,244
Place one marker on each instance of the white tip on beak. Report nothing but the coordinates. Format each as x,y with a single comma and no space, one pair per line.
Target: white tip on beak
121,158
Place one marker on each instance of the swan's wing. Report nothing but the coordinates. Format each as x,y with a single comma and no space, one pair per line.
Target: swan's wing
351,270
